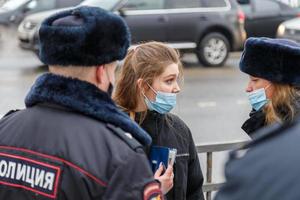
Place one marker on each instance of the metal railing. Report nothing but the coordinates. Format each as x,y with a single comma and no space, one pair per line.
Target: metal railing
209,186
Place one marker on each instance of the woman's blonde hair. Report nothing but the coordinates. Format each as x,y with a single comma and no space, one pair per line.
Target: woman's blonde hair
145,61
284,104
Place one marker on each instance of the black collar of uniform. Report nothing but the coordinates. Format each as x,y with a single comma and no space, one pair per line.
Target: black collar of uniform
84,98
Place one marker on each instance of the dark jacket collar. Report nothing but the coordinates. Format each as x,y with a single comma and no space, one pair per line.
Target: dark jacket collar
256,121
85,98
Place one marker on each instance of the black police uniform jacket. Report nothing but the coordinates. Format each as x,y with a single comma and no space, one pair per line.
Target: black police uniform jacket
170,131
66,145
269,169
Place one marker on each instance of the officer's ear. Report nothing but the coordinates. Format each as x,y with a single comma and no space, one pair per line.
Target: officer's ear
100,77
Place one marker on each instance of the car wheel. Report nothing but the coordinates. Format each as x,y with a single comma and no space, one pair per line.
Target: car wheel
213,49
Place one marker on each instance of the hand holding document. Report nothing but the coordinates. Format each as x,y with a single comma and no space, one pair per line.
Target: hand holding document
164,155
160,157
166,178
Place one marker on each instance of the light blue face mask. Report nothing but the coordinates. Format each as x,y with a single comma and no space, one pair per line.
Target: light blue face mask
164,102
258,98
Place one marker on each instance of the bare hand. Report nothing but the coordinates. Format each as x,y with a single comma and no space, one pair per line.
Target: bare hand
166,179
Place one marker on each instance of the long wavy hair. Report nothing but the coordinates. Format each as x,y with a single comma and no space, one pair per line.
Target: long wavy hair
145,61
284,104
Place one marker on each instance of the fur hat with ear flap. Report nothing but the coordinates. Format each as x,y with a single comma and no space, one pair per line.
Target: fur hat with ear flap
83,36
276,60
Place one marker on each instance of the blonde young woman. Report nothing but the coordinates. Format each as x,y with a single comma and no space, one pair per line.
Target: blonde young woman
146,89
273,68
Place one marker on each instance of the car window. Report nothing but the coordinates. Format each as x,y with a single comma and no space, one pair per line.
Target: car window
184,4
243,2
44,5
287,6
105,4
265,6
63,3
290,3
144,4
213,3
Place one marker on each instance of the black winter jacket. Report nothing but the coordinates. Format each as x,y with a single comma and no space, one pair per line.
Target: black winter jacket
170,131
256,121
67,145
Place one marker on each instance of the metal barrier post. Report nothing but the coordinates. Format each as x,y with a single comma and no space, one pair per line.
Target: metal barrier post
208,149
208,173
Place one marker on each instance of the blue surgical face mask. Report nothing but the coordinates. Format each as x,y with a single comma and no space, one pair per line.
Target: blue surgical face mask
258,98
164,102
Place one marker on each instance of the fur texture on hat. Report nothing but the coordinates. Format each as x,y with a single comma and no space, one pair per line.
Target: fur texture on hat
276,60
83,36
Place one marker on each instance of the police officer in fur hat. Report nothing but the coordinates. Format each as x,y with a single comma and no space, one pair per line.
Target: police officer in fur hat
274,80
71,141
270,167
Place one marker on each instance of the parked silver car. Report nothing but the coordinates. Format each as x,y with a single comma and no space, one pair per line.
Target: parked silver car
290,30
14,11
28,28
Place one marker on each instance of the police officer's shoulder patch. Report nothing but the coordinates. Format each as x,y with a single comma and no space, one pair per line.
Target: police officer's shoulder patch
126,137
152,192
25,171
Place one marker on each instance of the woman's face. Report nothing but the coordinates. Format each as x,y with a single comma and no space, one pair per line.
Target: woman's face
167,82
256,83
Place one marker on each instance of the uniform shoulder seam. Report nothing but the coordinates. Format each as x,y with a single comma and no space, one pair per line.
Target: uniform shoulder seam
124,136
10,112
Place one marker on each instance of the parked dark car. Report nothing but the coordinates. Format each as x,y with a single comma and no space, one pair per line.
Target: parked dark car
14,11
210,28
264,16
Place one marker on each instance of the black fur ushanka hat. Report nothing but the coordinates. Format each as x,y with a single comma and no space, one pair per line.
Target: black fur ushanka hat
83,36
276,60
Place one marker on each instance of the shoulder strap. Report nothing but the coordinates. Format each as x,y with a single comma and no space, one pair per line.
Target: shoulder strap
262,135
126,137
10,112
269,132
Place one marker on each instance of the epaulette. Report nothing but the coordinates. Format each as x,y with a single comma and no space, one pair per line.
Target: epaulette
126,137
259,137
10,112
268,133
263,135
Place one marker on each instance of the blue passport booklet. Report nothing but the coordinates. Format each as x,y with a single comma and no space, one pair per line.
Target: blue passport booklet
160,154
